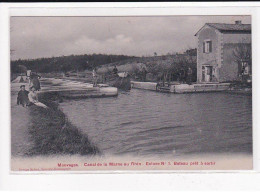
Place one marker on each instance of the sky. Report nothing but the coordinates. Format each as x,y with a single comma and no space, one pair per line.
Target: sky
37,37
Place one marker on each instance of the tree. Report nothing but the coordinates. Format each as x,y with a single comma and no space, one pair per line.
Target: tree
191,52
243,56
243,52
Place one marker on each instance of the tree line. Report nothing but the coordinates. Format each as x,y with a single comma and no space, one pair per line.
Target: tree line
167,67
65,63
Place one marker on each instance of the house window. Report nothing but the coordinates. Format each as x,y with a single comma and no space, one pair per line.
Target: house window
207,46
245,68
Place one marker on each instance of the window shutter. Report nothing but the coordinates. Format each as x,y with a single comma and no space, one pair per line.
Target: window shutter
203,47
210,46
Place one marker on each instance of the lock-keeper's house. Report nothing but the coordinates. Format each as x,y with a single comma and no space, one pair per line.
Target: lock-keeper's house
223,52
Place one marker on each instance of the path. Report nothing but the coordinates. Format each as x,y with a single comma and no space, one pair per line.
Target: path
20,119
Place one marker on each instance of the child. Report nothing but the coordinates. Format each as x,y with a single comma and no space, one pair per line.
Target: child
22,97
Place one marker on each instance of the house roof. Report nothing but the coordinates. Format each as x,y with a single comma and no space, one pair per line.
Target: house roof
229,27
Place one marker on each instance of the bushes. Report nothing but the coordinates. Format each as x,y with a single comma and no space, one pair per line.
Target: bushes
170,67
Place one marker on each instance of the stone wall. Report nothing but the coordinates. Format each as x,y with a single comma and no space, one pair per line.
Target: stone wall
230,69
211,58
236,38
225,66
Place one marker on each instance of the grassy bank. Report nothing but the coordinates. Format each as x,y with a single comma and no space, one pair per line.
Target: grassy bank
52,133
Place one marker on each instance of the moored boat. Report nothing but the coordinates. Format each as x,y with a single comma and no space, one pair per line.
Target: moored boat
121,81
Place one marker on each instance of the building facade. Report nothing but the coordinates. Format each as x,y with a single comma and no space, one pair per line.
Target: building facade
223,52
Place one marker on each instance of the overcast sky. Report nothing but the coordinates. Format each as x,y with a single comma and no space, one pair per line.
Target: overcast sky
35,37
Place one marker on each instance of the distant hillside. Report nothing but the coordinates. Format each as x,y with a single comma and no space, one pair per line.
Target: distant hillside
157,67
65,63
169,60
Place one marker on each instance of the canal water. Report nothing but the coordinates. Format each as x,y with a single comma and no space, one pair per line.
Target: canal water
146,123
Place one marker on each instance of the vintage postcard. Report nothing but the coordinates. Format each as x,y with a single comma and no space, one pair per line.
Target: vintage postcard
131,93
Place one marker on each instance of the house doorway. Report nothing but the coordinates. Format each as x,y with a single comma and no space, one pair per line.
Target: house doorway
207,73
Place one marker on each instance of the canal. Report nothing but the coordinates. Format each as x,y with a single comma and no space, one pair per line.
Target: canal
146,123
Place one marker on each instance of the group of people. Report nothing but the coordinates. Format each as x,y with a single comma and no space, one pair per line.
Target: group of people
26,98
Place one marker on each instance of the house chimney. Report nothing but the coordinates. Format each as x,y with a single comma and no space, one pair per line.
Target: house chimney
238,22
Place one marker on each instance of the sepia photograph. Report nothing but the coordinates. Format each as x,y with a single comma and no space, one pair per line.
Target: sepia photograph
131,93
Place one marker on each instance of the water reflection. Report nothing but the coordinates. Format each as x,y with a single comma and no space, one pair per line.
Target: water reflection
149,123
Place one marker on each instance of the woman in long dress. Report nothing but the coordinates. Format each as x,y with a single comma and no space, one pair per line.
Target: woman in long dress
33,98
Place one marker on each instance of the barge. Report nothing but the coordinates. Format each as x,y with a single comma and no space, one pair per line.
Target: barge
181,88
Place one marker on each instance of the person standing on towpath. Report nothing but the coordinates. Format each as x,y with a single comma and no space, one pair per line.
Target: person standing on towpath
33,98
34,81
94,74
115,70
144,72
22,97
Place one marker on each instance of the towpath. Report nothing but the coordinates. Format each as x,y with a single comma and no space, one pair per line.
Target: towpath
20,119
